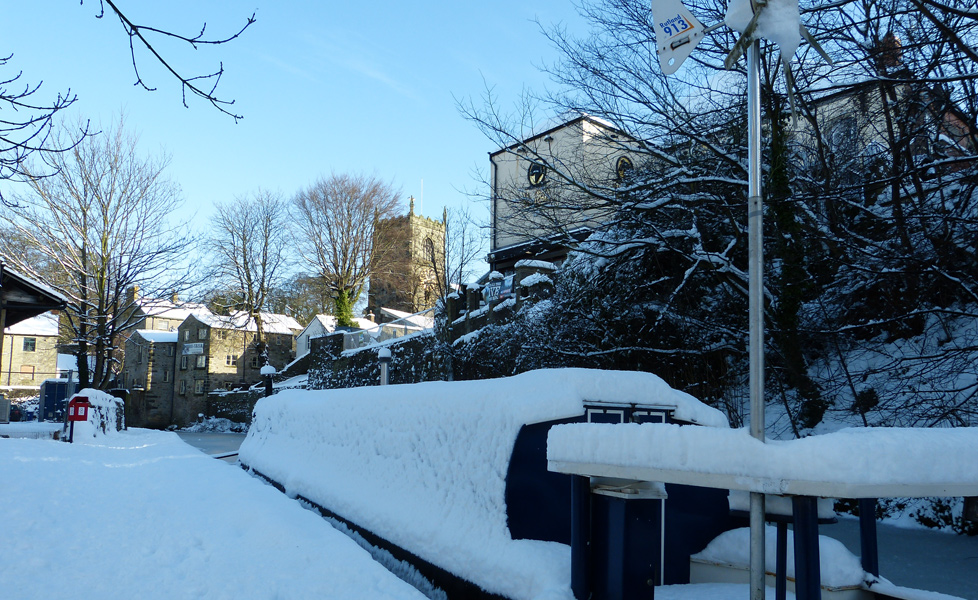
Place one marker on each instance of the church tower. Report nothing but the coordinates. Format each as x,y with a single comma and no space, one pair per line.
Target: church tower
409,273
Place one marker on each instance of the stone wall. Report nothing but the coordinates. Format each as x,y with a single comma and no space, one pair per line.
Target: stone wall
413,359
235,406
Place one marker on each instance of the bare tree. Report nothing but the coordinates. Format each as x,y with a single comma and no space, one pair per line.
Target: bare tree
337,219
29,127
31,121
146,38
465,247
870,200
303,297
101,223
249,245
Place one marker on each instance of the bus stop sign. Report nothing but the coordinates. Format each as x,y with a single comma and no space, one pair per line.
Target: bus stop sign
677,32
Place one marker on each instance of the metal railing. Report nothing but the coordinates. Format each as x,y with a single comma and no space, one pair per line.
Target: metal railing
416,323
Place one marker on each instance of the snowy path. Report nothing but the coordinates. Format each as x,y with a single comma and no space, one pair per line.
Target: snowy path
141,514
214,443
919,558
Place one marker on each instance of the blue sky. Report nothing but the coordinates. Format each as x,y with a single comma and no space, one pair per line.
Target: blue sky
330,86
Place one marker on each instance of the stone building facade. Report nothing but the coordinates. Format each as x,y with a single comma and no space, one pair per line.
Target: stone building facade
149,375
30,354
412,277
217,352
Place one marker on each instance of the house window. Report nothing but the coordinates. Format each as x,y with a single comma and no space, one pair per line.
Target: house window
198,386
163,325
183,362
201,361
254,362
231,360
30,344
202,333
186,335
169,350
27,370
183,386
166,377
623,168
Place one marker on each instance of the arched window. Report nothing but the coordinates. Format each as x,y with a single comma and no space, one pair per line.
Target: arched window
429,251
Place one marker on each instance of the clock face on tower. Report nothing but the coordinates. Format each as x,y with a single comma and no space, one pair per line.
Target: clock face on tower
536,174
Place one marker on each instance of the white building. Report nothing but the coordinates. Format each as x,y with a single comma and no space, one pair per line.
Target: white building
538,189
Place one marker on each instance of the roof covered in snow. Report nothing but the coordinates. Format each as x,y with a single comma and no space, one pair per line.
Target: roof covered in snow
158,337
42,325
242,321
166,309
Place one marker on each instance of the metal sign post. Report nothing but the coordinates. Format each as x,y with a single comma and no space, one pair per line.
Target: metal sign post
755,269
674,44
677,33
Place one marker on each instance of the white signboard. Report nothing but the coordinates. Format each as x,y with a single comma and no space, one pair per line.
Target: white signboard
676,33
196,348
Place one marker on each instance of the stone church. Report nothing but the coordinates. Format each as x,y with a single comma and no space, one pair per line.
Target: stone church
409,263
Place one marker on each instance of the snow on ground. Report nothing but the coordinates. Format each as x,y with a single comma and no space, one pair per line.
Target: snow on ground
29,429
838,567
217,425
424,465
712,591
140,514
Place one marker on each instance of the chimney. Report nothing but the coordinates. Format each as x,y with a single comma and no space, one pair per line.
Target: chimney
175,299
132,294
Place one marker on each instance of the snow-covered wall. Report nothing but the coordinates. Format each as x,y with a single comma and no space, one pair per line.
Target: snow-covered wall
106,415
424,465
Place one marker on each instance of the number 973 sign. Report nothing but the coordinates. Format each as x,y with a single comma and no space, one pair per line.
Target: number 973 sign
676,33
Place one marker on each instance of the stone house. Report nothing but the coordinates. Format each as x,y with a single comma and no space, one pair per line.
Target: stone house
161,315
22,298
148,375
29,354
324,325
220,352
319,326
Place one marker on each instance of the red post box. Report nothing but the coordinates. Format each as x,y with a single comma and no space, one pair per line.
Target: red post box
78,408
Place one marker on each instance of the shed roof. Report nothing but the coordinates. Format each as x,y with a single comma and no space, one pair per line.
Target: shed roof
24,297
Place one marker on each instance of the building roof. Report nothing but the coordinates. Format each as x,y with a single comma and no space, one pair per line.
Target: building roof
166,309
24,297
327,321
42,325
158,337
242,321
561,125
